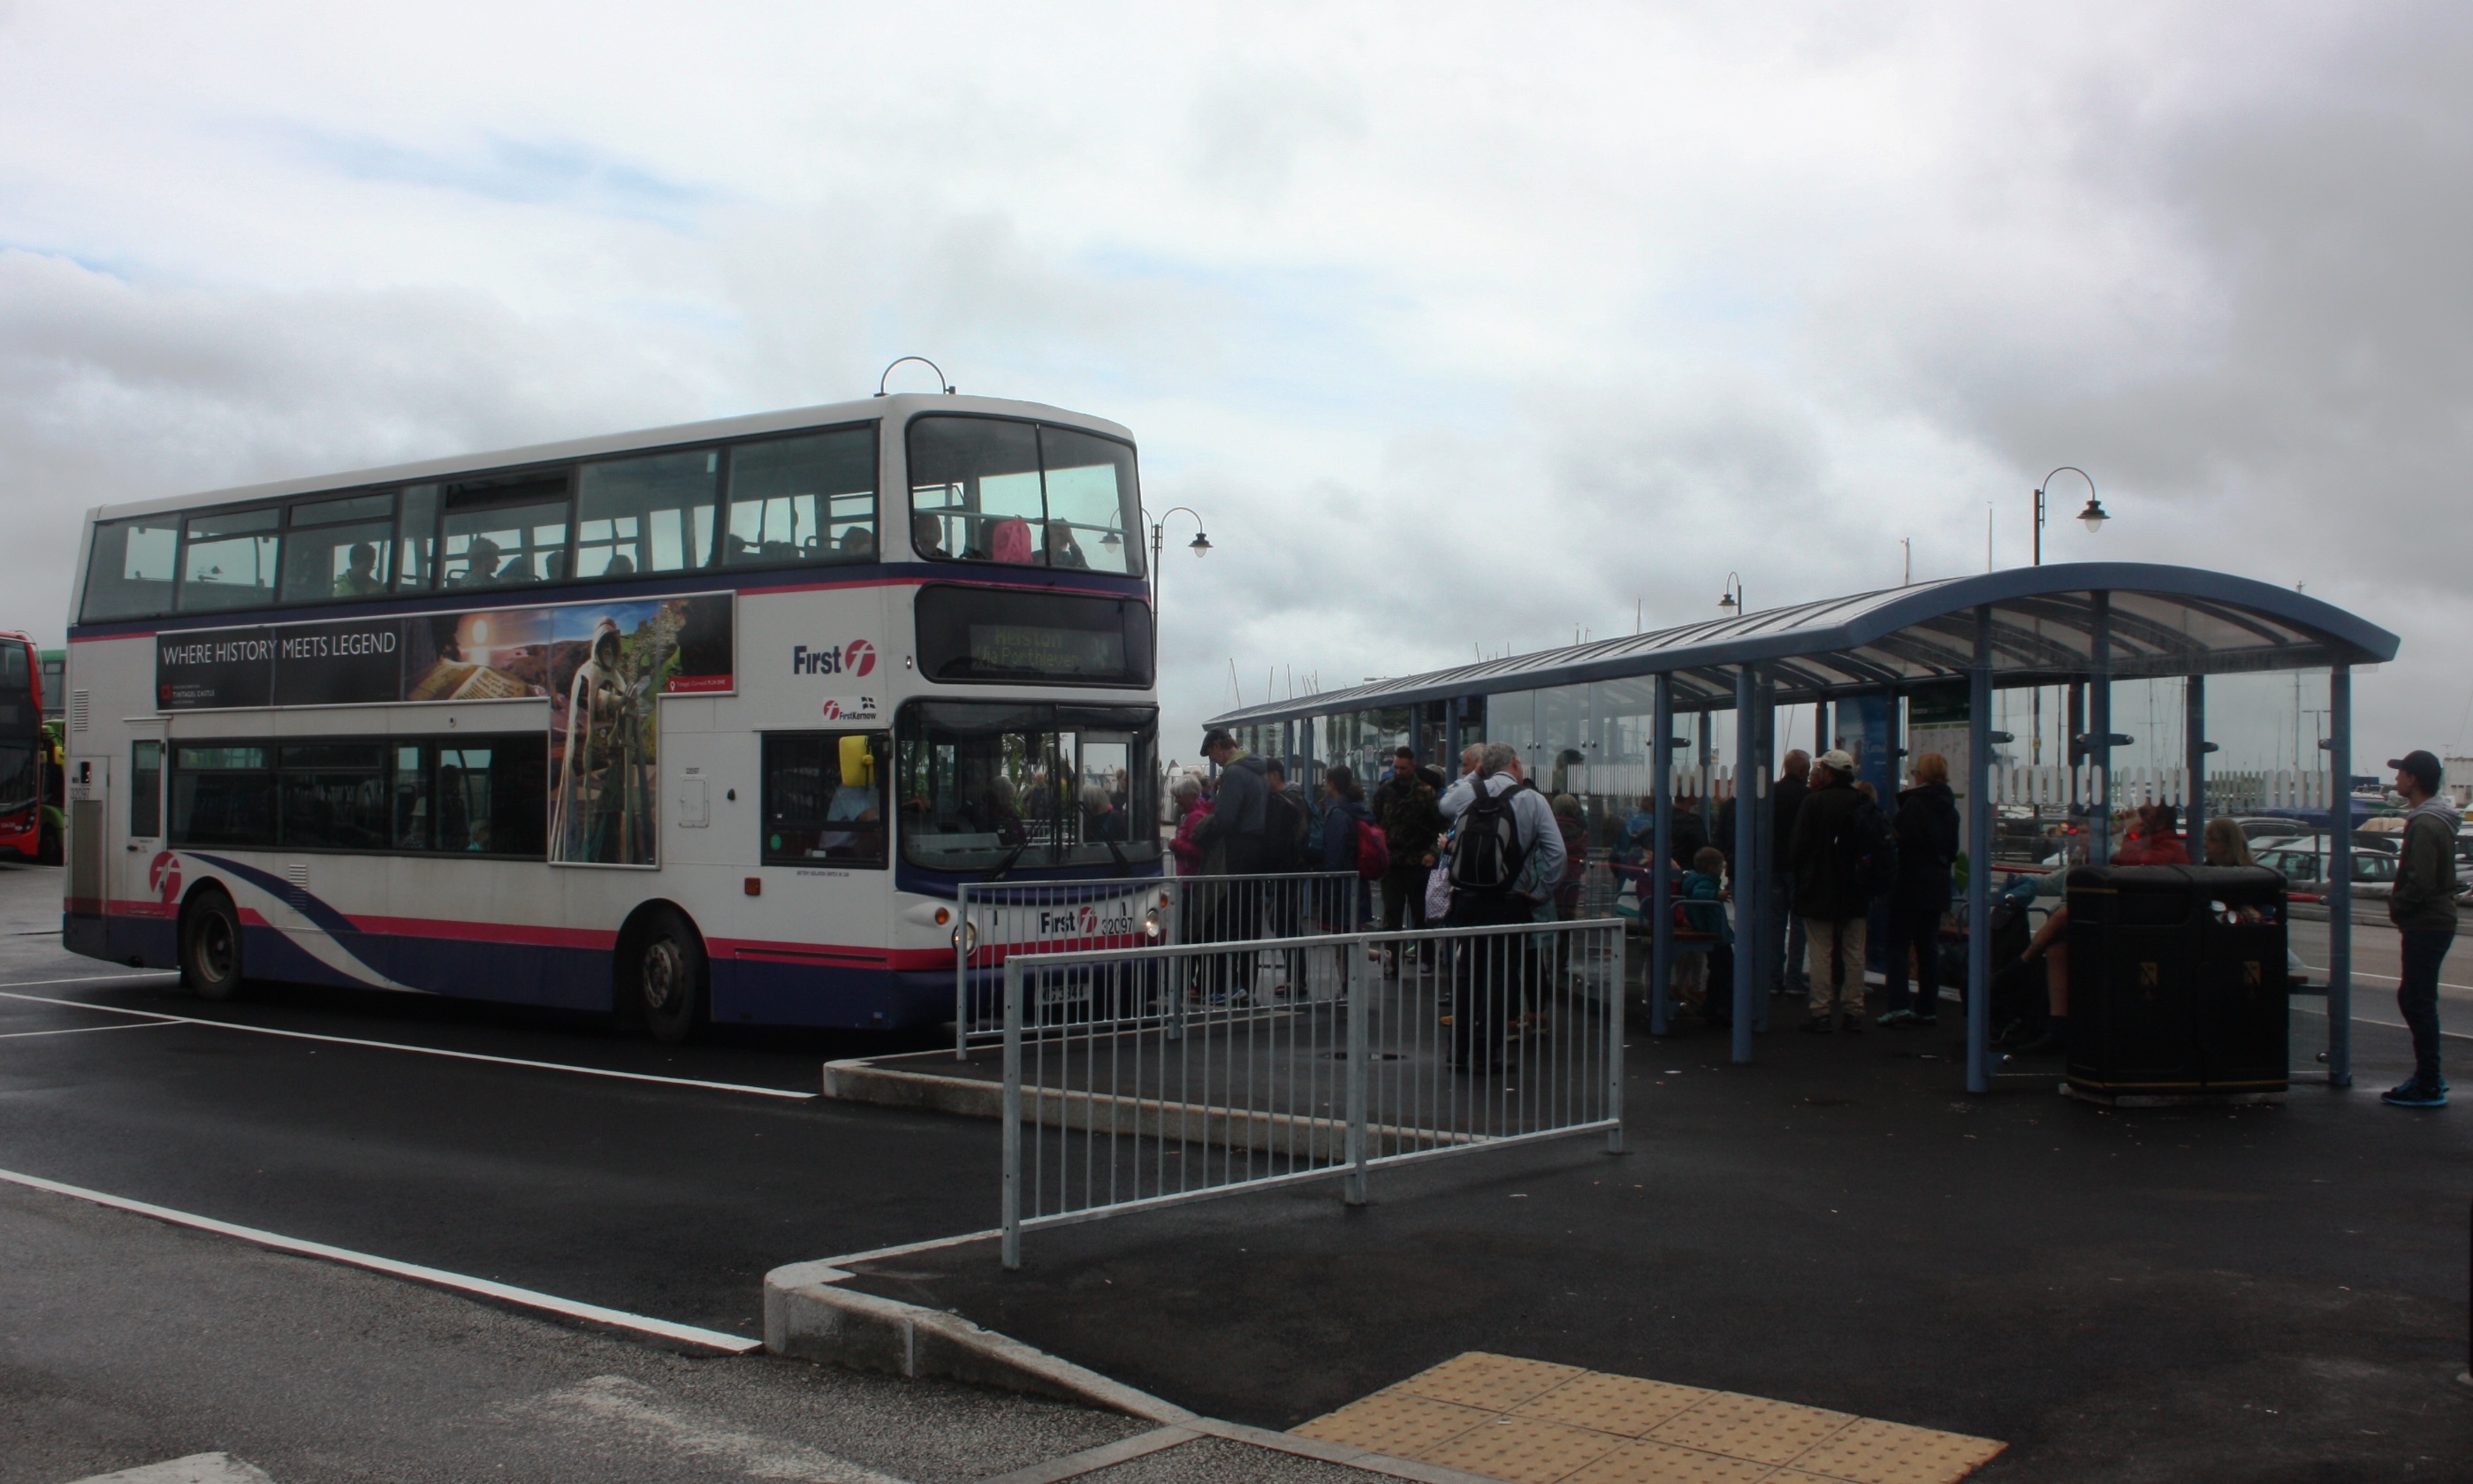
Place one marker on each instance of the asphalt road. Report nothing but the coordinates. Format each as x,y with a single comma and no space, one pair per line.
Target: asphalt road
644,1196
125,1342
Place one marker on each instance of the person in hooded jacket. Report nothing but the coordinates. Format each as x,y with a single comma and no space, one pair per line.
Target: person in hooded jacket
1829,893
1926,828
2424,909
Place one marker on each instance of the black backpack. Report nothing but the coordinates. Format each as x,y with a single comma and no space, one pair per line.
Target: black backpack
1486,857
1874,850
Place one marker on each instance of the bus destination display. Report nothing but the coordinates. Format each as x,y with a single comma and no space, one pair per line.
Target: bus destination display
1025,649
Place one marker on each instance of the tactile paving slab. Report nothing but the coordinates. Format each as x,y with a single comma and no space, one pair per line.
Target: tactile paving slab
1531,1421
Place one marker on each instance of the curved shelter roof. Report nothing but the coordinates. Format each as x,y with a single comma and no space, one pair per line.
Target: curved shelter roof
2162,620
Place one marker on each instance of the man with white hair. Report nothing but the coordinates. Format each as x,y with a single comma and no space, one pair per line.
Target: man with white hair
1841,841
1506,855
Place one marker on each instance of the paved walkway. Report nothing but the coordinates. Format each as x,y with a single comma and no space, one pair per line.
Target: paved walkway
2174,1294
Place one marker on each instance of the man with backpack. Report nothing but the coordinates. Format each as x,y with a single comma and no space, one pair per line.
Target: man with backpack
1842,856
1504,839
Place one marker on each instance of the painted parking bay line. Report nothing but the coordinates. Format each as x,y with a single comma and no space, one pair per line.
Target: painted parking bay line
507,1292
397,1045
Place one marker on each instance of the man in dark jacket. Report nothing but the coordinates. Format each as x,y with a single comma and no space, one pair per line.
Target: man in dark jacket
1926,829
2424,909
1404,807
1786,796
1237,822
1831,831
1285,822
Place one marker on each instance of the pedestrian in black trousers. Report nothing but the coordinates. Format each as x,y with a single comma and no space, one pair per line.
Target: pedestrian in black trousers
1926,826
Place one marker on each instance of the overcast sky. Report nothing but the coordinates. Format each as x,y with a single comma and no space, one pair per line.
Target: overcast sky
1462,327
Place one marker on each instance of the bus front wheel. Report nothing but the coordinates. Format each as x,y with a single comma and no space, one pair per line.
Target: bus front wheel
666,976
210,965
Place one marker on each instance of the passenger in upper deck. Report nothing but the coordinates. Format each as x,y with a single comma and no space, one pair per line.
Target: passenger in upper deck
858,543
360,580
927,534
480,565
1060,548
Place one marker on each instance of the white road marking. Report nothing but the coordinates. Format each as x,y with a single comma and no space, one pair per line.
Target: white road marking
142,975
637,1408
397,1045
645,1324
80,1030
196,1469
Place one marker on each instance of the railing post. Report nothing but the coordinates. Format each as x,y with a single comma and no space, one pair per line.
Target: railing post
1615,1042
1012,1214
961,973
1360,1054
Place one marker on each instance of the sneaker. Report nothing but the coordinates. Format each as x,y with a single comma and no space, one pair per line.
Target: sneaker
2413,1094
1817,1026
1854,1023
1896,1018
1923,1020
2046,1044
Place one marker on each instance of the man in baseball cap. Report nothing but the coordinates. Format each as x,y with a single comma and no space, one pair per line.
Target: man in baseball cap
2424,909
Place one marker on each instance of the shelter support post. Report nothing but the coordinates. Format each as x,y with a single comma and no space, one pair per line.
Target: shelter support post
2194,733
2340,875
1708,762
1747,776
2100,734
1820,727
1766,942
1979,859
1661,896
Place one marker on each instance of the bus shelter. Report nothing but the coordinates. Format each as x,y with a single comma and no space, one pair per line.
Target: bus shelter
2084,623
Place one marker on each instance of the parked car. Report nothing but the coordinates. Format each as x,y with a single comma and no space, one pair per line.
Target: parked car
2304,864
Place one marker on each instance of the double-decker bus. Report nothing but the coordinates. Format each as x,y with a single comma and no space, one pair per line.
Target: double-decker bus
708,721
25,754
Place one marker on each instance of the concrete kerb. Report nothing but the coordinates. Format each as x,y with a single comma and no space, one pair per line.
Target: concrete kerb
808,1314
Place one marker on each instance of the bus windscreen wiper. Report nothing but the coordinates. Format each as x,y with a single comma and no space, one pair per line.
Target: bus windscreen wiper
1011,856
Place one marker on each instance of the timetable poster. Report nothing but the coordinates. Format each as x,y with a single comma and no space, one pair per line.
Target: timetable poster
472,654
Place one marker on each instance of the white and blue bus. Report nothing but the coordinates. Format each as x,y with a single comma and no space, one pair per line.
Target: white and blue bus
705,721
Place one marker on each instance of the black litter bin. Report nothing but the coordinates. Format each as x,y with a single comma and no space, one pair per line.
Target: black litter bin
2178,983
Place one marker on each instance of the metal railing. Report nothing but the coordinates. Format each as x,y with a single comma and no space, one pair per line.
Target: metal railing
996,919
1141,1077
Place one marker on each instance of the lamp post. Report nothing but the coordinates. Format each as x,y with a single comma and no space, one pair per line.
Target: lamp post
1731,601
1200,546
2094,515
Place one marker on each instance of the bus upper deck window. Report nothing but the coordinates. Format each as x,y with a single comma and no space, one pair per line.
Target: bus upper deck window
646,515
802,499
417,538
130,573
1022,493
501,533
228,559
339,548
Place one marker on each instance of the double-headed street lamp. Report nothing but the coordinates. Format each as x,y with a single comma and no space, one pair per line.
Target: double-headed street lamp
2094,515
1200,546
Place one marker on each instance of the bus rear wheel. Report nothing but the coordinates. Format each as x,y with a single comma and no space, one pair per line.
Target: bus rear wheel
210,965
666,976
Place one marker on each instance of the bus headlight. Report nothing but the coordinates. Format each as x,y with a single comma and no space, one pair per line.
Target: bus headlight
966,937
1151,926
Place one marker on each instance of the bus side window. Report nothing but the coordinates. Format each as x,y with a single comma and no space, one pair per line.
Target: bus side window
146,790
801,499
646,515
130,573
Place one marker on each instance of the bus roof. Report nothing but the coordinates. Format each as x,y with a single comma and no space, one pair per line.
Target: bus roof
894,408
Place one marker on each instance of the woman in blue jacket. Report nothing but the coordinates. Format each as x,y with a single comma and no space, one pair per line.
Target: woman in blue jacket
1344,813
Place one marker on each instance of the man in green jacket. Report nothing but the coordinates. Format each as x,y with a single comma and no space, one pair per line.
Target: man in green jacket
2423,910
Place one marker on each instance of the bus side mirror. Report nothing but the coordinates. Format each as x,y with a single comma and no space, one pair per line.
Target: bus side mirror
858,763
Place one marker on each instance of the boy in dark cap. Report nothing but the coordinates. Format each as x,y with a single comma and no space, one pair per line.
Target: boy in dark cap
2423,910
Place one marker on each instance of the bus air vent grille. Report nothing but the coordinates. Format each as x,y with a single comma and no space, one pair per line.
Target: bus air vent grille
77,709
